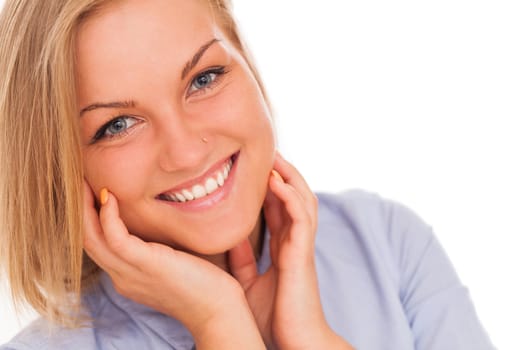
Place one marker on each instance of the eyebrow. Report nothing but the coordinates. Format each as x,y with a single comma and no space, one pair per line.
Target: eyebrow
198,55
131,104
122,104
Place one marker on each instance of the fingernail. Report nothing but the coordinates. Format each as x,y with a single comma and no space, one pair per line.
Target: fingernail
277,175
103,196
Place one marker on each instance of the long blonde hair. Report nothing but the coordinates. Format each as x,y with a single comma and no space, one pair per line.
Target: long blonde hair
40,154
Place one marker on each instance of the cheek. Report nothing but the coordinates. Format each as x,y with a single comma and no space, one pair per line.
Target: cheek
257,124
122,170
242,110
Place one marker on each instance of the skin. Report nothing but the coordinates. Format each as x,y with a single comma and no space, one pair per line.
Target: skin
164,148
148,246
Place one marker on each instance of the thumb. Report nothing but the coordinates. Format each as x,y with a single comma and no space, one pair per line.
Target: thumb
242,264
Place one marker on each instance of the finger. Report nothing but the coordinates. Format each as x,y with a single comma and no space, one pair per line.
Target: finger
296,234
293,202
274,212
276,217
126,246
292,176
94,242
242,264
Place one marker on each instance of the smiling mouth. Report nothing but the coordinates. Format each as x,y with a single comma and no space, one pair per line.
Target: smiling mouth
206,187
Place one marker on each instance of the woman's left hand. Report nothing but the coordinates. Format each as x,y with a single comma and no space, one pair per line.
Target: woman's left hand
285,299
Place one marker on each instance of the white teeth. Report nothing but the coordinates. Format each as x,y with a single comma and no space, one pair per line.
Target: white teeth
171,197
198,191
227,169
188,195
220,179
201,190
211,185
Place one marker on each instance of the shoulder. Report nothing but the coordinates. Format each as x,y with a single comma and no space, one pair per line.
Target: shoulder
365,246
113,322
388,251
43,335
369,214
360,205
373,232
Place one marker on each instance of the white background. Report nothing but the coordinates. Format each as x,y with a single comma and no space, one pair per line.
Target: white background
422,102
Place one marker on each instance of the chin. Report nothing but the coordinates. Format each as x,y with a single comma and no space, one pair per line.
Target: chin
220,241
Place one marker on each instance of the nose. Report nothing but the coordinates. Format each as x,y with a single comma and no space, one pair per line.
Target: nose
183,145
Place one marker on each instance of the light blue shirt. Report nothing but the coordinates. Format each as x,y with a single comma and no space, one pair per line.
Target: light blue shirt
385,283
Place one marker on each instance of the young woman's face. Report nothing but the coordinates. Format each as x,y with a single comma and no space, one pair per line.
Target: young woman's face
167,104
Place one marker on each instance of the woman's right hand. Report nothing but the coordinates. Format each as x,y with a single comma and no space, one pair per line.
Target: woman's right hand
207,300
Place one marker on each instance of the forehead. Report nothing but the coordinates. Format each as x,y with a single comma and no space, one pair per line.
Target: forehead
147,22
134,37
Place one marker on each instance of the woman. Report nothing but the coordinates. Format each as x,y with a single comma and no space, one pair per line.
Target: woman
138,132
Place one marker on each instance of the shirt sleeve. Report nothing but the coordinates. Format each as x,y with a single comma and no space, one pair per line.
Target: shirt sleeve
437,305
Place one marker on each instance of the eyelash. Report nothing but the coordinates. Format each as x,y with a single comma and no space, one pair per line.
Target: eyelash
217,71
102,132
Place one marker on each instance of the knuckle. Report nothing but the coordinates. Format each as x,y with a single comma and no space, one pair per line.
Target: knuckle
292,167
117,244
120,285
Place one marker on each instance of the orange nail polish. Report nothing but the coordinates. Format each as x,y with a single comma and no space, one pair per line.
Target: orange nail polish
277,175
103,196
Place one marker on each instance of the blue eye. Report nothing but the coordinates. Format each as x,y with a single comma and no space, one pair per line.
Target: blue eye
115,127
205,79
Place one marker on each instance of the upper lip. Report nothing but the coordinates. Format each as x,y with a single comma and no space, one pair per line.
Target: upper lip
211,172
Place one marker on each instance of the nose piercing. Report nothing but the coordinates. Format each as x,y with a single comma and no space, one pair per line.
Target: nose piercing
205,140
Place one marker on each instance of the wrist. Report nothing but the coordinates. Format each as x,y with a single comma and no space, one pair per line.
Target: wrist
318,337
232,326
331,340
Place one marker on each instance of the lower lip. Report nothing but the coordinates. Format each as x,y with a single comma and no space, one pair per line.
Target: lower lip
210,200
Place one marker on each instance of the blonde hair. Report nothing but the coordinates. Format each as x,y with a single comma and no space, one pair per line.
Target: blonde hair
41,171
